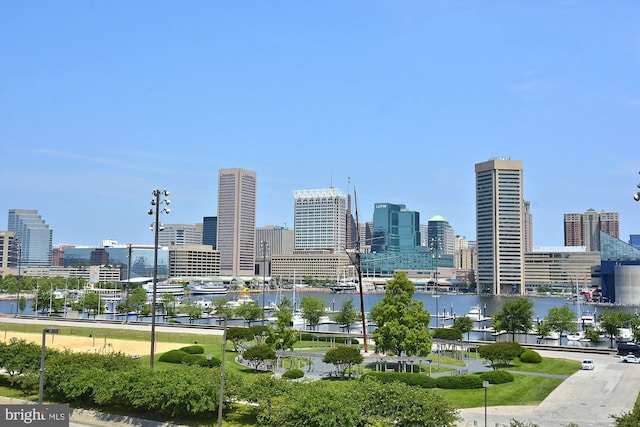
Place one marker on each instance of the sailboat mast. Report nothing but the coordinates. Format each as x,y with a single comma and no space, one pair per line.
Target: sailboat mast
359,270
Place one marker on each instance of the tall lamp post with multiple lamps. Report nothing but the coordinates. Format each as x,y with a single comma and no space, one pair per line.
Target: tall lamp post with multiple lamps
636,196
435,247
264,245
156,226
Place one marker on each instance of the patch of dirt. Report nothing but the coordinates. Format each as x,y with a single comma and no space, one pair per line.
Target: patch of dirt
90,344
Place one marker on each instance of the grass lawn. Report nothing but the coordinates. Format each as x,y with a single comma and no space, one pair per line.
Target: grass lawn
548,366
525,390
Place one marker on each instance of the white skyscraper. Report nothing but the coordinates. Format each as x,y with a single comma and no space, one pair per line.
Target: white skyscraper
319,219
236,221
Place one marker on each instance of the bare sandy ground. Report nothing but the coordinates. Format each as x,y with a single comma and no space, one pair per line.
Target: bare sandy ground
89,344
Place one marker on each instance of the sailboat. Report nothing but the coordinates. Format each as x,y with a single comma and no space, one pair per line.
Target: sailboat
579,335
298,322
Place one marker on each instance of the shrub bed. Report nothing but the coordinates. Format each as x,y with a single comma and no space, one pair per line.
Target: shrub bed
459,382
530,356
417,380
193,349
293,374
497,377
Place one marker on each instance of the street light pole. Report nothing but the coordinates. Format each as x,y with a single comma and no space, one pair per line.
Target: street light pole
156,226
45,331
264,245
19,247
435,245
485,385
224,350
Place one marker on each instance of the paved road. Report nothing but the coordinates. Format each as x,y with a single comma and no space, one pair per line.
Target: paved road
586,398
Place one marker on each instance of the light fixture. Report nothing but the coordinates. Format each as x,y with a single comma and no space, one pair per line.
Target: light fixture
156,226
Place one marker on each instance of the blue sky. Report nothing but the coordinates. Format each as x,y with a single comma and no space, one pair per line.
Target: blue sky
101,102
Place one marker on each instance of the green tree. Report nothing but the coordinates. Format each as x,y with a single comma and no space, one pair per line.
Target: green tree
500,353
259,355
312,310
348,315
238,336
612,320
402,324
343,358
168,303
192,310
464,324
250,312
451,334
561,319
284,313
514,317
221,309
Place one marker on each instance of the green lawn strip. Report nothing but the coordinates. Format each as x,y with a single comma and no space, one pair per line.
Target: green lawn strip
547,366
525,390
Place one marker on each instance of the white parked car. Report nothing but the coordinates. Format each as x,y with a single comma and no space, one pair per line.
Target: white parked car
587,364
629,358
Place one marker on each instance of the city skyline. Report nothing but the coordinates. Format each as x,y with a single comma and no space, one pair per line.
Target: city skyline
102,103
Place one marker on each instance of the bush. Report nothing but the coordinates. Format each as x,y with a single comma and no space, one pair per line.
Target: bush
193,349
459,382
173,356
497,377
416,380
452,334
293,374
530,356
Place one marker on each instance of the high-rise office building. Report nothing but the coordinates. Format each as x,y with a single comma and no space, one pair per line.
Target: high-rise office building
34,236
583,229
236,221
8,255
210,231
319,219
351,232
180,235
438,228
499,226
271,240
395,229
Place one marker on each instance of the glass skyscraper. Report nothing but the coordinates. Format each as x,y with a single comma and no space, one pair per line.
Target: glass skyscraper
34,236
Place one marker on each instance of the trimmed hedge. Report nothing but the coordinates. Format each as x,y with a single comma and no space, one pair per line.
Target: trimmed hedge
172,356
293,374
193,349
459,382
417,380
530,356
179,356
497,377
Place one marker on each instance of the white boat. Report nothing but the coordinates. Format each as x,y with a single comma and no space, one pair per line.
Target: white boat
474,312
343,287
208,288
624,335
552,335
175,289
243,299
576,336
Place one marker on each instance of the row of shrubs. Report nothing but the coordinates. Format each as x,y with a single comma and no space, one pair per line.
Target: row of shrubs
190,355
446,382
